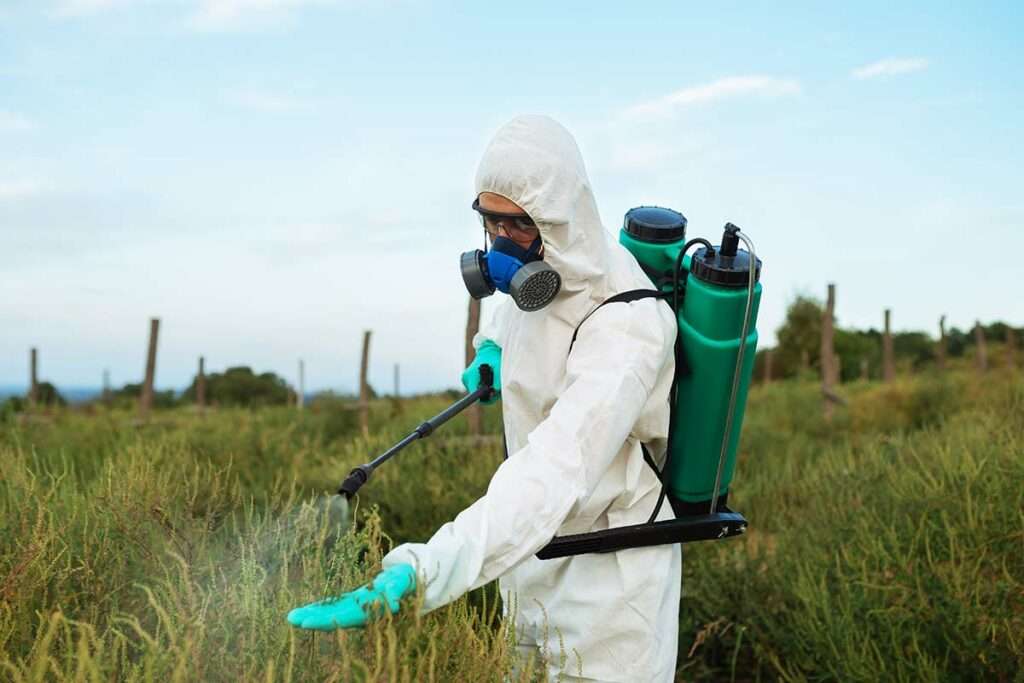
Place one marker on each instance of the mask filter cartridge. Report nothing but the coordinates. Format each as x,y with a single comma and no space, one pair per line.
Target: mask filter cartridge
518,272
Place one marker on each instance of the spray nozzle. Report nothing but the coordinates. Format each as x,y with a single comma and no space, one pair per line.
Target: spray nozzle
354,481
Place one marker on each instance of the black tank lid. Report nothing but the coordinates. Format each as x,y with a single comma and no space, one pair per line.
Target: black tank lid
655,224
726,266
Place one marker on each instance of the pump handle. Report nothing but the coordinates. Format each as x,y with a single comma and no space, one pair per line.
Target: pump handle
730,240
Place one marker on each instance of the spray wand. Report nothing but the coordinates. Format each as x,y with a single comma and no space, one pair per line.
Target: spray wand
360,475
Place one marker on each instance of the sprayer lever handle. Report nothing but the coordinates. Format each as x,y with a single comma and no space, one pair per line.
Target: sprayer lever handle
487,380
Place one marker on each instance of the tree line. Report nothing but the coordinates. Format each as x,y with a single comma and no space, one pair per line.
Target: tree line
798,347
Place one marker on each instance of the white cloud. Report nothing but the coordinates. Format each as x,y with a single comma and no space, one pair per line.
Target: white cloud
732,86
265,101
889,67
14,190
9,121
228,14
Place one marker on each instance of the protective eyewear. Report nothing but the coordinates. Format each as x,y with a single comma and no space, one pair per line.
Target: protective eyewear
518,226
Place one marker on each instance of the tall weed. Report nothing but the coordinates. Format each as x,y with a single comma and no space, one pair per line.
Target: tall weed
887,544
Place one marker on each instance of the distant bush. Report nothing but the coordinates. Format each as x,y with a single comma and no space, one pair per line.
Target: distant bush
10,407
934,397
129,394
339,418
240,386
49,396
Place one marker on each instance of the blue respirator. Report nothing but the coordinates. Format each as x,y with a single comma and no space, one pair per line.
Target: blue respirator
520,273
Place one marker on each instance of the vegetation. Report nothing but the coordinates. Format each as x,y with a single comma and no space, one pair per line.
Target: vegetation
128,397
799,337
240,386
888,545
47,396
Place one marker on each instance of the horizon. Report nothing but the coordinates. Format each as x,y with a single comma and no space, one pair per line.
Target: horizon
86,392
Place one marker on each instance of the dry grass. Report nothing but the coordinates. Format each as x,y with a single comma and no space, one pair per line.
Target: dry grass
888,546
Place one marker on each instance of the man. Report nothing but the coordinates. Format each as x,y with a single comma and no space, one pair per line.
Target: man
574,424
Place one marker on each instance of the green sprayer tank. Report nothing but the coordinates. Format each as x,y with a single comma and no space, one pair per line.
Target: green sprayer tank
713,286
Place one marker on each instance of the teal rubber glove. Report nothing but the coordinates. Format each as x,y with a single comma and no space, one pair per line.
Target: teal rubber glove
489,353
355,608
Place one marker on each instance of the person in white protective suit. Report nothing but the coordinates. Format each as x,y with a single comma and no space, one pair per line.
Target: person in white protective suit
574,425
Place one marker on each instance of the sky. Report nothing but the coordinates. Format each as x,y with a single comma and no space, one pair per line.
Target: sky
272,177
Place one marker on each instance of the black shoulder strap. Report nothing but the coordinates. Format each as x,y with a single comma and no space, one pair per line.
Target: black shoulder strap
627,297
622,297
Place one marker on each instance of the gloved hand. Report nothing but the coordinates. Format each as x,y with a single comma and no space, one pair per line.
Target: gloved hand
488,353
355,608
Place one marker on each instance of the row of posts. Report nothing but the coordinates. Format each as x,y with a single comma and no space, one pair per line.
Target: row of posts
830,364
147,392
830,361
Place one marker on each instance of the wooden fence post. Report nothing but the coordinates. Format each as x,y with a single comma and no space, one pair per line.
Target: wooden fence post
940,350
768,366
33,377
981,348
1011,348
472,327
828,363
888,362
300,396
201,386
364,387
146,397
864,367
396,401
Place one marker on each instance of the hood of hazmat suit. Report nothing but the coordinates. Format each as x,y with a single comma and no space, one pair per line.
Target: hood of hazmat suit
574,424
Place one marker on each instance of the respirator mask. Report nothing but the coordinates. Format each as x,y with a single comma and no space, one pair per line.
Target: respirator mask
517,271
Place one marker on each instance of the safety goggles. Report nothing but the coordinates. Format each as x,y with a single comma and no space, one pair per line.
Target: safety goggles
518,226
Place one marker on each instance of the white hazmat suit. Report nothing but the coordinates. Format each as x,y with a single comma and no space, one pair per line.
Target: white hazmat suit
574,423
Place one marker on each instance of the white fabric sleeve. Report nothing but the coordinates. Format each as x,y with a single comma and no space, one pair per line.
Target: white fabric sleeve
613,367
496,325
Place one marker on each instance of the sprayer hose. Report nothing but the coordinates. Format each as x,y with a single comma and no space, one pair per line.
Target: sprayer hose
738,372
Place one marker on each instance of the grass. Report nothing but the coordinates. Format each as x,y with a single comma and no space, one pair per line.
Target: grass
888,545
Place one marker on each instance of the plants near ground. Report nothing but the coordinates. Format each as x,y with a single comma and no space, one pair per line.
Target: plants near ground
886,545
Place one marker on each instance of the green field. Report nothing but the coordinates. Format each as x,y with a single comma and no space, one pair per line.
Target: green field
888,545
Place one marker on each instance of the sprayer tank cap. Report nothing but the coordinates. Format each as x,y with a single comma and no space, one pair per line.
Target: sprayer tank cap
654,224
727,266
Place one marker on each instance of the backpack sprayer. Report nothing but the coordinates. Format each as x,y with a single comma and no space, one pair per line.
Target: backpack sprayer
715,295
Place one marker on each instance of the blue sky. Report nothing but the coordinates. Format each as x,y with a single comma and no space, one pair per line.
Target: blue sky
272,177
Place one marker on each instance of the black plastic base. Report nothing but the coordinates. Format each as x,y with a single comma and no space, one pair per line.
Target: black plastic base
723,524
684,508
